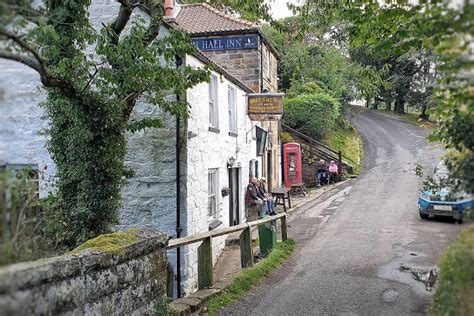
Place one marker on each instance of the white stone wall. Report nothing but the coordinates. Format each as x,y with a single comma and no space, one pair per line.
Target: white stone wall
20,123
149,198
212,150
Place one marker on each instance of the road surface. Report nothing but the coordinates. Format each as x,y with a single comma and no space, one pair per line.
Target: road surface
362,246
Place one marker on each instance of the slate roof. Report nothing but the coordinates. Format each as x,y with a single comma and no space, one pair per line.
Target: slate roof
201,18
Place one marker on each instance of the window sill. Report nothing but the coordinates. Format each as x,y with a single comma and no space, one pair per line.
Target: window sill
233,134
214,129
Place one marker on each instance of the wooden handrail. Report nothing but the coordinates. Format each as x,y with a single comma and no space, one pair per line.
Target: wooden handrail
309,139
205,275
183,241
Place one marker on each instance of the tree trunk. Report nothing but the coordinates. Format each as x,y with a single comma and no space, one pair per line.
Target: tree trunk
388,104
399,104
423,114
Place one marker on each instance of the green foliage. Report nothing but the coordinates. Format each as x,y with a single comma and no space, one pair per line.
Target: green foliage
286,137
314,66
418,41
250,277
344,137
313,115
455,291
91,97
25,224
299,88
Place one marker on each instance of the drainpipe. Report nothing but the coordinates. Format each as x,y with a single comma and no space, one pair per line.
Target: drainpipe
179,62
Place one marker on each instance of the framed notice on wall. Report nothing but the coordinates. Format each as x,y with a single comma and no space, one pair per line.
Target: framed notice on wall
265,106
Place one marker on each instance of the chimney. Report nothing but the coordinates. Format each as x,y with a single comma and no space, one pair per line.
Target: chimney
169,8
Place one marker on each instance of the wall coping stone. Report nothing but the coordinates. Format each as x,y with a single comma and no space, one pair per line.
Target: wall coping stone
35,273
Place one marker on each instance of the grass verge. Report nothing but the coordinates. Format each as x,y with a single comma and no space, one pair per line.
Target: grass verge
412,117
346,139
250,277
455,292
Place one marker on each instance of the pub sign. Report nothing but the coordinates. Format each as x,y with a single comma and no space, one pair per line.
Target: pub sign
226,43
265,106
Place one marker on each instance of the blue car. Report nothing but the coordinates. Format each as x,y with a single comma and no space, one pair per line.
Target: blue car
436,205
444,202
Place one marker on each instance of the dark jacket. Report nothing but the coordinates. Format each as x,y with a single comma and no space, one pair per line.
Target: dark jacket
322,167
251,196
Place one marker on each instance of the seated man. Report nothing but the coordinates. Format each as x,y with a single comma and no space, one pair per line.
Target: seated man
321,173
254,200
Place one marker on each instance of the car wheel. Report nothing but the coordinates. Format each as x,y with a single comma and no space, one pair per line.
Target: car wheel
459,220
424,216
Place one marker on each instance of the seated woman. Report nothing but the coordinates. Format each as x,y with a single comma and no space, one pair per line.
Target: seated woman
333,171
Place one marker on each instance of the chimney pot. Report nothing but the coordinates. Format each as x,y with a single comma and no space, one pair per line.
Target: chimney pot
169,7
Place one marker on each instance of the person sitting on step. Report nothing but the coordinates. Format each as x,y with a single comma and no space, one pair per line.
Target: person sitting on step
321,173
333,171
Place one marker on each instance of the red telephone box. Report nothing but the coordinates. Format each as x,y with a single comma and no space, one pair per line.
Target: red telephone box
292,168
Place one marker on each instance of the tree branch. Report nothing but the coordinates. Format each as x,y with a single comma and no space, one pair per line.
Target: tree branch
25,60
15,38
121,21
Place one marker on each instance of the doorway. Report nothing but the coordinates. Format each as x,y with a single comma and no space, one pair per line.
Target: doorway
234,196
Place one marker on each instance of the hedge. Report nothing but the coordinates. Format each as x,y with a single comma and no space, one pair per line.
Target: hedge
455,293
312,114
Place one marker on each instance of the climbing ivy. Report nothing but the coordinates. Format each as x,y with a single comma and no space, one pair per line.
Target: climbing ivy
93,77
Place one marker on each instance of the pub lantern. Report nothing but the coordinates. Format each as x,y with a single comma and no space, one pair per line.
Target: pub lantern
292,170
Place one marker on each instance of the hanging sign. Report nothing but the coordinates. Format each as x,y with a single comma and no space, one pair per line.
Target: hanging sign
265,106
226,43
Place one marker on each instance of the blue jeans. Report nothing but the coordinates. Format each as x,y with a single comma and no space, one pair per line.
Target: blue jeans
270,205
320,175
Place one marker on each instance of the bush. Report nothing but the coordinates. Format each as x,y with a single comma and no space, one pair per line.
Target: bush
313,114
29,228
455,292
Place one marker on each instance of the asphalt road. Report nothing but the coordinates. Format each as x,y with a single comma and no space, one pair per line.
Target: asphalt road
361,246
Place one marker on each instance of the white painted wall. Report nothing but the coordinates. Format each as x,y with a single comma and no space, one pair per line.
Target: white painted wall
212,150
149,198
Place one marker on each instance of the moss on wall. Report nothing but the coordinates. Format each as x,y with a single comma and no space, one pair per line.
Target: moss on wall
114,243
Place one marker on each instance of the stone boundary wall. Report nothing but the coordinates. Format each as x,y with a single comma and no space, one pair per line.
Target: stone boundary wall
90,282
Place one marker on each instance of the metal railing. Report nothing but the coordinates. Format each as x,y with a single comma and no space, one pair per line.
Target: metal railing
205,278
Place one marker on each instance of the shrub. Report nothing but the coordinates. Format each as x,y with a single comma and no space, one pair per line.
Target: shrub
313,114
29,228
456,282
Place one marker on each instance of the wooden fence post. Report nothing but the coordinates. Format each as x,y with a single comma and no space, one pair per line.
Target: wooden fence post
246,251
339,157
205,278
284,232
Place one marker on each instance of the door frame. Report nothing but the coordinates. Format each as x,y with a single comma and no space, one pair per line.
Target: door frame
234,172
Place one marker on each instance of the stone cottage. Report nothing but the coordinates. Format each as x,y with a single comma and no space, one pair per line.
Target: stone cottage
239,47
181,169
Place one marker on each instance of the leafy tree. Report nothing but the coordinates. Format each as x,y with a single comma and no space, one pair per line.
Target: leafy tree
394,29
93,79
301,62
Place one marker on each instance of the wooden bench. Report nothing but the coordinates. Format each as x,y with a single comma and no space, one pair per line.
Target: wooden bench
281,194
299,188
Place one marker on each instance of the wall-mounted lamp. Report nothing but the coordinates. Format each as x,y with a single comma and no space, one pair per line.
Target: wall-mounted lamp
230,162
191,135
